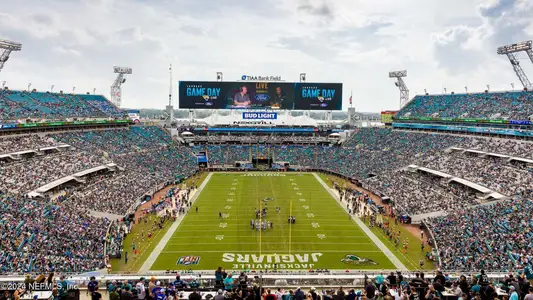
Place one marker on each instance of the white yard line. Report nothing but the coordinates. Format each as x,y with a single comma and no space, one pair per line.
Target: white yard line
395,261
253,236
272,243
270,251
246,228
159,247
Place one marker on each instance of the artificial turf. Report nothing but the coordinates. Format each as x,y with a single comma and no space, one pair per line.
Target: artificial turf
323,236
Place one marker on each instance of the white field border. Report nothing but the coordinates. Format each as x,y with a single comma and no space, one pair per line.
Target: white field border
145,269
170,232
393,259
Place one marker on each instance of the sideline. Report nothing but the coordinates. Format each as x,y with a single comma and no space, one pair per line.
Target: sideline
170,232
394,260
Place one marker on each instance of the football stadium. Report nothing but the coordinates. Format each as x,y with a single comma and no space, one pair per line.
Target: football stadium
262,188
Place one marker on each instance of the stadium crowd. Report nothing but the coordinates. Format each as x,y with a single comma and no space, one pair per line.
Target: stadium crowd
15,105
493,173
39,236
418,193
144,155
514,148
29,174
500,105
395,285
496,237
56,232
224,154
18,143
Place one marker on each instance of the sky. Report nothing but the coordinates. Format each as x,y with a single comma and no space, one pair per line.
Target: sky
442,44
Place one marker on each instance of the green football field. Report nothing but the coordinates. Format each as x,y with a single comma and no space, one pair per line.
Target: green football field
323,236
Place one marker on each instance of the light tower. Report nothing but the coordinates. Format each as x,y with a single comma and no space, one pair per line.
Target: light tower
170,107
510,51
5,49
530,52
404,91
116,88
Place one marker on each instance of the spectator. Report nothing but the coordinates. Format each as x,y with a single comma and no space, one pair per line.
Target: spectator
141,290
392,280
370,290
91,286
529,296
95,295
219,295
513,295
270,296
228,283
126,293
299,294
195,296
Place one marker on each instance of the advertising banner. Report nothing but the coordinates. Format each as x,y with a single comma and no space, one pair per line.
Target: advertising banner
259,115
259,95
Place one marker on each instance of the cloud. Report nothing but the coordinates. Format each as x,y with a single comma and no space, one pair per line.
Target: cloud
328,44
63,50
77,42
500,22
322,9
497,8
508,20
455,49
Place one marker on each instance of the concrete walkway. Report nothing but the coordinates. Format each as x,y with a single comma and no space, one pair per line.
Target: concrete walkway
395,261
170,232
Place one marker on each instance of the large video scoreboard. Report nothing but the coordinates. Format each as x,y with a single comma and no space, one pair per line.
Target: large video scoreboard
260,95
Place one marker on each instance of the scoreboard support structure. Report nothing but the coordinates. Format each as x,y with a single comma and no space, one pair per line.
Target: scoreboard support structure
192,114
329,115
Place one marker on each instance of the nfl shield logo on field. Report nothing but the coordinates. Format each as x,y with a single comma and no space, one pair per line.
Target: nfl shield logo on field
188,260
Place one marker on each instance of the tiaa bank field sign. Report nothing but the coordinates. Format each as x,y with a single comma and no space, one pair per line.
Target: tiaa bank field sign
259,115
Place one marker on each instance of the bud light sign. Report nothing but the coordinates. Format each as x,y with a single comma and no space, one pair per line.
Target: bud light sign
259,115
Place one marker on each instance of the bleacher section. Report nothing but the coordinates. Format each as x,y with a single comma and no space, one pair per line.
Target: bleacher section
499,105
17,105
497,237
225,154
54,232
41,237
402,165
